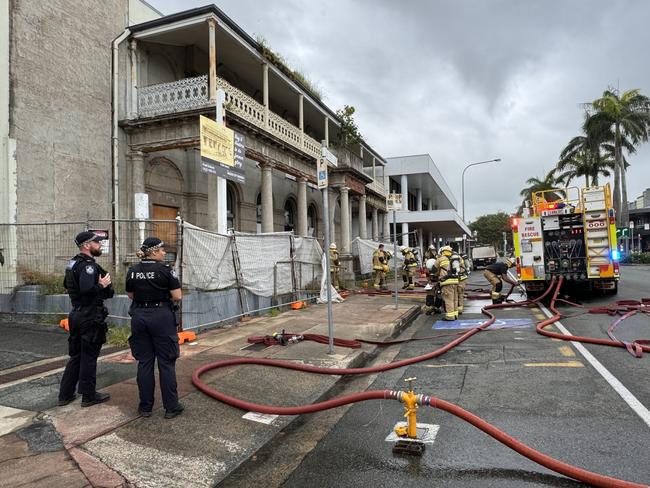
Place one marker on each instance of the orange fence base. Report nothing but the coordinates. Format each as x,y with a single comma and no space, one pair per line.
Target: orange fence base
186,336
64,324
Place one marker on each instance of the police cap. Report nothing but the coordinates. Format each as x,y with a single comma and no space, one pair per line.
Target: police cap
87,236
151,243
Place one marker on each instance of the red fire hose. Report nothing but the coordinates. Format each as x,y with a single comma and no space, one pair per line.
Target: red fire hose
565,469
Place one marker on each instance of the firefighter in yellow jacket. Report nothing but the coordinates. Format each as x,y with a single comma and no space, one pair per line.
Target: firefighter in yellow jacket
463,274
496,274
448,279
379,267
335,266
408,270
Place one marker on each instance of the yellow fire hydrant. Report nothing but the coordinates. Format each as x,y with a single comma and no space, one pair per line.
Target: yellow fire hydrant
410,412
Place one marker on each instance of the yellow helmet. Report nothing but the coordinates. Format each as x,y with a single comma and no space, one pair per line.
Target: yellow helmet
446,250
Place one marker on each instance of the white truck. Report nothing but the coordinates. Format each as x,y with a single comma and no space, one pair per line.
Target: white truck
483,255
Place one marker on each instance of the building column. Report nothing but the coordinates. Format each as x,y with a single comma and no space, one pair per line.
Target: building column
136,161
405,192
302,207
327,131
363,228
418,200
133,80
430,204
431,242
387,226
301,119
265,92
405,234
267,198
212,79
345,220
375,224
332,210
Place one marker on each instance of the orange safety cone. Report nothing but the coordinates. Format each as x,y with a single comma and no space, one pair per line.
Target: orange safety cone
297,305
186,336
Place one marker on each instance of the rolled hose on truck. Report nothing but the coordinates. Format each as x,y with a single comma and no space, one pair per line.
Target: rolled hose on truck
553,464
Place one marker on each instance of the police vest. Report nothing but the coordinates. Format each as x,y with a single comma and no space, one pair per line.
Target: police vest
145,280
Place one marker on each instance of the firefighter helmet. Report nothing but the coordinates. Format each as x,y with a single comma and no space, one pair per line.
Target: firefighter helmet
333,245
510,261
431,263
446,251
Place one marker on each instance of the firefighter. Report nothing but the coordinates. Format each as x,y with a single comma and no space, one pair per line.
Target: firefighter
433,300
379,267
430,253
496,274
408,270
462,282
335,266
448,279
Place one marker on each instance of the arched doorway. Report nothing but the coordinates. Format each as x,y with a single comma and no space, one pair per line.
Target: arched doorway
312,221
289,214
232,206
258,212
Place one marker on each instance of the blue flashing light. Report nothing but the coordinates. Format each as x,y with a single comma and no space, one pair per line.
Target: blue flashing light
616,254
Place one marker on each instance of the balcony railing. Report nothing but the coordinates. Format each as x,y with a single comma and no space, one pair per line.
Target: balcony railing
177,96
193,93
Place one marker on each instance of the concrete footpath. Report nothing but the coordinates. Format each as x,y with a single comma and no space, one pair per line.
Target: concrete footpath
109,445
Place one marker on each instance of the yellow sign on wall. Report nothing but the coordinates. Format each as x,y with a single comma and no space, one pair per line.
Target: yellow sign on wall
217,142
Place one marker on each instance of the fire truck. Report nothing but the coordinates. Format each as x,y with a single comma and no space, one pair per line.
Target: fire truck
568,232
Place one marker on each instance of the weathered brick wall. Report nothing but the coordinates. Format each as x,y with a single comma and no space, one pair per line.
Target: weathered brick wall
61,106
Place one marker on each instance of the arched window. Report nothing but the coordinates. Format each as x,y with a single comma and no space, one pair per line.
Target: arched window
312,221
289,214
231,206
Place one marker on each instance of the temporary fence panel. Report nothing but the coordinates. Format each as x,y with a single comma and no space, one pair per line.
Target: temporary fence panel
364,249
307,263
265,262
207,259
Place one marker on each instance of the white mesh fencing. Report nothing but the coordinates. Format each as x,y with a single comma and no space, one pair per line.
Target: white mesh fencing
364,248
207,259
264,264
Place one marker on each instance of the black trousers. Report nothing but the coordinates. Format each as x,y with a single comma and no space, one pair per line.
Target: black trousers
154,337
87,334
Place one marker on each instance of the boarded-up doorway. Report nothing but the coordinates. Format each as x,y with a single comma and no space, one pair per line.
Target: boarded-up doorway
166,231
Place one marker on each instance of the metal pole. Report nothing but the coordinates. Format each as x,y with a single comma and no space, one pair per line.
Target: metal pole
395,254
328,280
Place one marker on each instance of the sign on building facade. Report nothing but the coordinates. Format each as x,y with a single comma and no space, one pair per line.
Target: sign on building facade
222,151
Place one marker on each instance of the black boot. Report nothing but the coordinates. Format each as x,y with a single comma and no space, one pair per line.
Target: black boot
90,400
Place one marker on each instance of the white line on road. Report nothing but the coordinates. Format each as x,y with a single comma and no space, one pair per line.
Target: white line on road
625,394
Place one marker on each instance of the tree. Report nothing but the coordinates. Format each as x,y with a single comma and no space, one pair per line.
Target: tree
625,121
349,132
549,182
583,157
489,229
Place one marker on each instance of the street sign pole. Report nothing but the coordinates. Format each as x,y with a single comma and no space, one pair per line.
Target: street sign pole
395,254
322,179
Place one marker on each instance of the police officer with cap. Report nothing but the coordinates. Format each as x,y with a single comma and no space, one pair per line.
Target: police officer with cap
88,285
155,290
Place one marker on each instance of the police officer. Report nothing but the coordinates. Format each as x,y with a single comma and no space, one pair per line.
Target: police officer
496,274
88,285
155,290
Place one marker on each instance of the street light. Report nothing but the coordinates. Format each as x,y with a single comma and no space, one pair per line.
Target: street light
463,179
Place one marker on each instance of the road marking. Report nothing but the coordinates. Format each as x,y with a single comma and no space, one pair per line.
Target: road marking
566,364
567,352
445,365
624,393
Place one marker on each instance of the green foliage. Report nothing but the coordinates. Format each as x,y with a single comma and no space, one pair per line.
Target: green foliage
118,335
296,75
549,182
51,283
275,312
637,258
490,228
349,133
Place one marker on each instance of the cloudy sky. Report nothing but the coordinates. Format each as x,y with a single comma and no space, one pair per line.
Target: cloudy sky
462,80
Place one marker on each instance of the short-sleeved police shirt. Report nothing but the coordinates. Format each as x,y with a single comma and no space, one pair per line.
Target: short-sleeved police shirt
151,281
497,268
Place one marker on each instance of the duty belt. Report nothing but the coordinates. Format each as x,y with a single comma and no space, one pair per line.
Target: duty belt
163,303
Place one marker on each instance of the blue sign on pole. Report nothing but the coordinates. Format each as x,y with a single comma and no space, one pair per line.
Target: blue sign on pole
470,324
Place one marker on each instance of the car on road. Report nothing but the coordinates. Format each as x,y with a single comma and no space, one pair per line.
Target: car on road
483,256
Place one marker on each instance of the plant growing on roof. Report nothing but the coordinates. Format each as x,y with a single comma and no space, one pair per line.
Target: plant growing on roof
349,132
278,60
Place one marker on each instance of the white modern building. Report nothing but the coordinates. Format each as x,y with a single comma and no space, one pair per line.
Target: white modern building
429,214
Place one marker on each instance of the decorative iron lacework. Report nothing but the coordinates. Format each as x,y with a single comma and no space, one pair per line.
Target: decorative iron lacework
177,96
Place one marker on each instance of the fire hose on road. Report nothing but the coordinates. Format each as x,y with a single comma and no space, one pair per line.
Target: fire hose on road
565,469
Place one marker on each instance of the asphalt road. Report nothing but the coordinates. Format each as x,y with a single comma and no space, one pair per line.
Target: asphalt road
541,391
25,342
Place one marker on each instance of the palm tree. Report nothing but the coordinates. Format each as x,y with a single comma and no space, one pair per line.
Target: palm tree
549,182
583,157
625,121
